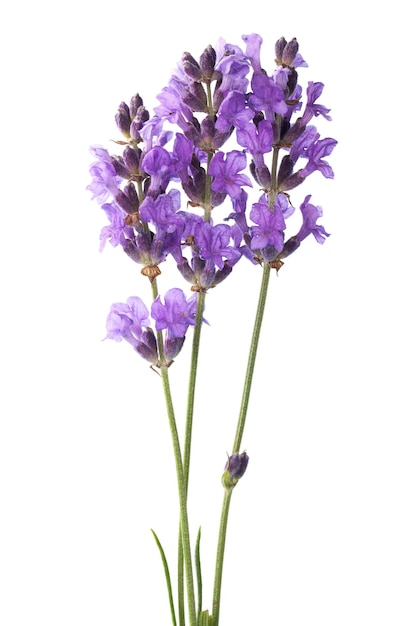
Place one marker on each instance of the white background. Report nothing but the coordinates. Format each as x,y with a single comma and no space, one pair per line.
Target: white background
323,526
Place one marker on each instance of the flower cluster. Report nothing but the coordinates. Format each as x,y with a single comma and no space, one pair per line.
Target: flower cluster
130,321
223,125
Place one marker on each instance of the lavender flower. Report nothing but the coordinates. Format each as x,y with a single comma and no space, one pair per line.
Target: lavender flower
266,116
126,320
267,234
176,314
267,96
310,215
225,170
213,243
129,321
105,181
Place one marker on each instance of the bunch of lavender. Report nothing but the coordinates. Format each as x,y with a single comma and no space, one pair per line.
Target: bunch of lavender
178,191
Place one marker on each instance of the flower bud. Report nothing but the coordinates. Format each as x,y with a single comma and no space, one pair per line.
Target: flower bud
172,347
191,67
235,468
122,118
131,158
279,49
128,199
290,52
186,271
285,169
147,346
208,61
142,116
135,102
120,167
290,246
195,102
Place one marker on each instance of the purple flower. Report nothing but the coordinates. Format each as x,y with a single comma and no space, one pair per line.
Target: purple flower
116,232
126,320
253,50
233,112
303,142
152,134
314,91
176,314
129,321
105,182
169,223
267,96
157,162
213,243
315,153
269,225
311,214
258,140
225,169
172,105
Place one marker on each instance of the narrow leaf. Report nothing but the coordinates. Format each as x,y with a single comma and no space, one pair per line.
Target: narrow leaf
167,577
198,573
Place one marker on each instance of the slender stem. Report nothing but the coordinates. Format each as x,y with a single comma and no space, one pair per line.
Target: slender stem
221,544
192,384
252,357
191,390
238,439
184,546
187,440
182,492
180,579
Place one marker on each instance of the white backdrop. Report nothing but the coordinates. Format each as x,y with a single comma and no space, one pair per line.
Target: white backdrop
322,527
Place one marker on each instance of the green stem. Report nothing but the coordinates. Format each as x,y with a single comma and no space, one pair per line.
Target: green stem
182,492
184,546
187,439
238,439
192,383
252,357
221,544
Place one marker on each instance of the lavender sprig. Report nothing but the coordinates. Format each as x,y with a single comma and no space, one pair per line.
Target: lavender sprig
224,127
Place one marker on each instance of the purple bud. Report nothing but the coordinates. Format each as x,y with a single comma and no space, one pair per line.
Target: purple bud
191,67
128,199
207,63
290,52
235,468
292,82
131,158
172,347
290,246
285,169
279,49
147,346
196,98
122,118
120,167
186,272
135,102
142,116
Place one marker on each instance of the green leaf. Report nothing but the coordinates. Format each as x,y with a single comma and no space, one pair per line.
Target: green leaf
205,619
198,573
167,577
